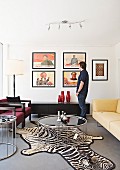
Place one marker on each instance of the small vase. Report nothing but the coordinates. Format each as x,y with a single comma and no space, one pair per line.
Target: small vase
68,92
62,96
68,96
59,98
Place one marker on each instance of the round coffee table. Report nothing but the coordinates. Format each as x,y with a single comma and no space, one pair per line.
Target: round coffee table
71,121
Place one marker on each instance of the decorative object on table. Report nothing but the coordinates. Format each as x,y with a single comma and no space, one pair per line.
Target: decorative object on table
43,78
62,97
59,117
59,98
14,67
64,118
68,97
41,60
70,78
62,115
75,151
71,60
99,70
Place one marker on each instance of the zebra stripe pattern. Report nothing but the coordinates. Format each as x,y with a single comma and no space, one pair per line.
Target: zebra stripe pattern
76,152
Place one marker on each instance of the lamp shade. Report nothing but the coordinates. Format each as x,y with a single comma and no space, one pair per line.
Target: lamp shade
14,67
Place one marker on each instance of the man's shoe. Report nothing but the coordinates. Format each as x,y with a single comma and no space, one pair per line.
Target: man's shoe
80,122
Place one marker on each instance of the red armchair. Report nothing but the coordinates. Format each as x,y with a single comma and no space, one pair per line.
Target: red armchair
22,111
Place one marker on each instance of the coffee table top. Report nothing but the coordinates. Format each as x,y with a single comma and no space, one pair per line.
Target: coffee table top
52,120
4,119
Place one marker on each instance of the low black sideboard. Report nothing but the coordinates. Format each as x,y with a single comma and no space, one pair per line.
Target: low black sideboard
43,109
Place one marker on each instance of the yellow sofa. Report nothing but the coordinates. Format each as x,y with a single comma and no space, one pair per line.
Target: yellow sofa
107,113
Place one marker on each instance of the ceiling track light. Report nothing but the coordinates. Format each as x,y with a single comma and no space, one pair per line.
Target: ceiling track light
65,22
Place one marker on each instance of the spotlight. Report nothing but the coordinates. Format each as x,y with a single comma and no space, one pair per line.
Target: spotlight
70,26
80,25
49,27
59,26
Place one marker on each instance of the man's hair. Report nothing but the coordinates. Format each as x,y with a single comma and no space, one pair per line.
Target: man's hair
83,65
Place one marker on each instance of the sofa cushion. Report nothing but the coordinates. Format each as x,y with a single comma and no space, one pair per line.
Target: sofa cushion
3,100
105,118
115,129
27,110
105,105
13,99
118,107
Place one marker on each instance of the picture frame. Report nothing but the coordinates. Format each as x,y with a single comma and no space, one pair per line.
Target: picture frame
100,70
71,60
43,78
70,78
43,60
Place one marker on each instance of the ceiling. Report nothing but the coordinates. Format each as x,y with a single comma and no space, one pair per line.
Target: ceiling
25,21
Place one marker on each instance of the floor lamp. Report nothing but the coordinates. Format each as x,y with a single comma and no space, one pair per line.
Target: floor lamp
14,67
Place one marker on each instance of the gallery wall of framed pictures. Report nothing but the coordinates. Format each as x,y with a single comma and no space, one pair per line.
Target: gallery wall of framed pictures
42,63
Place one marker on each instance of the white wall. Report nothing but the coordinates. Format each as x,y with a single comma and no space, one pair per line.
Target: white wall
97,89
1,69
117,54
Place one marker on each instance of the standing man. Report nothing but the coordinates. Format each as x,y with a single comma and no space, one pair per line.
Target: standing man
82,88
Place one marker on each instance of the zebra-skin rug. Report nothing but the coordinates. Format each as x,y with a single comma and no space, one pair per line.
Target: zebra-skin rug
71,143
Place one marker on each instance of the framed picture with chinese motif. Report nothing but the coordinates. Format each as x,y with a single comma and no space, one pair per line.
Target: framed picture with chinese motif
71,60
70,78
43,60
99,70
43,78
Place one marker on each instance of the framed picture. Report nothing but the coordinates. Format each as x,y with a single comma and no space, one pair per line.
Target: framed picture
41,60
99,70
71,60
70,78
43,78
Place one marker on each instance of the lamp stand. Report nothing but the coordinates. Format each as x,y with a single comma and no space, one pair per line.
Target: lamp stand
14,85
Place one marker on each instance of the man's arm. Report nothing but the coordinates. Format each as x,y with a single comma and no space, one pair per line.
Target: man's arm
80,88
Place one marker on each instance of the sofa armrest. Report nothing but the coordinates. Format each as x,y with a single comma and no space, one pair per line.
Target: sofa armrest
29,101
26,102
